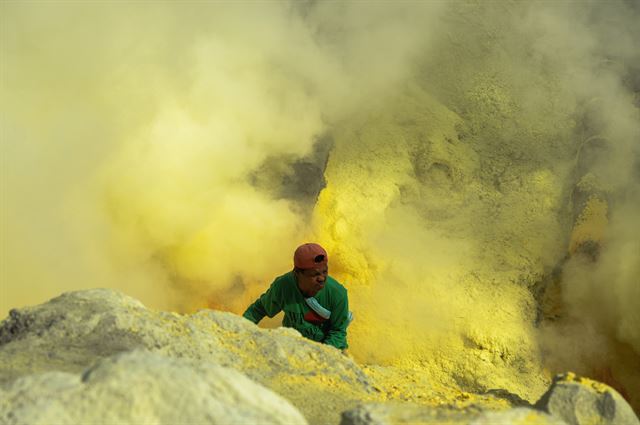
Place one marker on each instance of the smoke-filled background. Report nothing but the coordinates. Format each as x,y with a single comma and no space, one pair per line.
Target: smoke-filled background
472,169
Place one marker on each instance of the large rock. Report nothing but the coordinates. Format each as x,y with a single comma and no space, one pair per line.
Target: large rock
73,331
143,387
581,401
388,414
518,416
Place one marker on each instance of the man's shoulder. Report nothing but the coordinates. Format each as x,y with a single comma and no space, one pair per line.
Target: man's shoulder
284,279
287,276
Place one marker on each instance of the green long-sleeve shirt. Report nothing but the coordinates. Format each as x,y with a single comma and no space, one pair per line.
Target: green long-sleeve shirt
284,294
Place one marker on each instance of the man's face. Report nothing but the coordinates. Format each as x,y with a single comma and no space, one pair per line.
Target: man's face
311,281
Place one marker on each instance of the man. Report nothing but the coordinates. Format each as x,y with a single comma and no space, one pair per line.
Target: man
314,303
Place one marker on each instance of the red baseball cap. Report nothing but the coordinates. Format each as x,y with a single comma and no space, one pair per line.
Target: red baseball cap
310,256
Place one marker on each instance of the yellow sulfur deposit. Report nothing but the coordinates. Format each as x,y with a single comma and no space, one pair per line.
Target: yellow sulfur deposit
415,282
598,386
591,225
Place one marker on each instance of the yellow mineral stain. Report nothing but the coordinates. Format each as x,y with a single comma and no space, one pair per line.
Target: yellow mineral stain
597,386
591,224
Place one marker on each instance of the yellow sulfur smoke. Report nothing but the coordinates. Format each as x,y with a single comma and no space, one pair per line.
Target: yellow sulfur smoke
135,136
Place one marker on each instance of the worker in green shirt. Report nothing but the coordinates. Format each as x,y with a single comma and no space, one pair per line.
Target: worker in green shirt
314,303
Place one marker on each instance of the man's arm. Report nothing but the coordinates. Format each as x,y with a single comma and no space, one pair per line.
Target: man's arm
268,304
337,335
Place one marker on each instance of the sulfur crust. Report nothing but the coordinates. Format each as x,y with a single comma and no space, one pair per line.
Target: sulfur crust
453,330
599,387
591,224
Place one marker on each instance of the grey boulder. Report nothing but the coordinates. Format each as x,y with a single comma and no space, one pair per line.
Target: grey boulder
144,387
581,401
517,416
72,331
388,414
77,329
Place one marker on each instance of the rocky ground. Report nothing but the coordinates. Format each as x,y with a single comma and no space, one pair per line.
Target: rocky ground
98,356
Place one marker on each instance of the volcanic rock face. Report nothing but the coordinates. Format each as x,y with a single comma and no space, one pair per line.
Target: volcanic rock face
98,356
